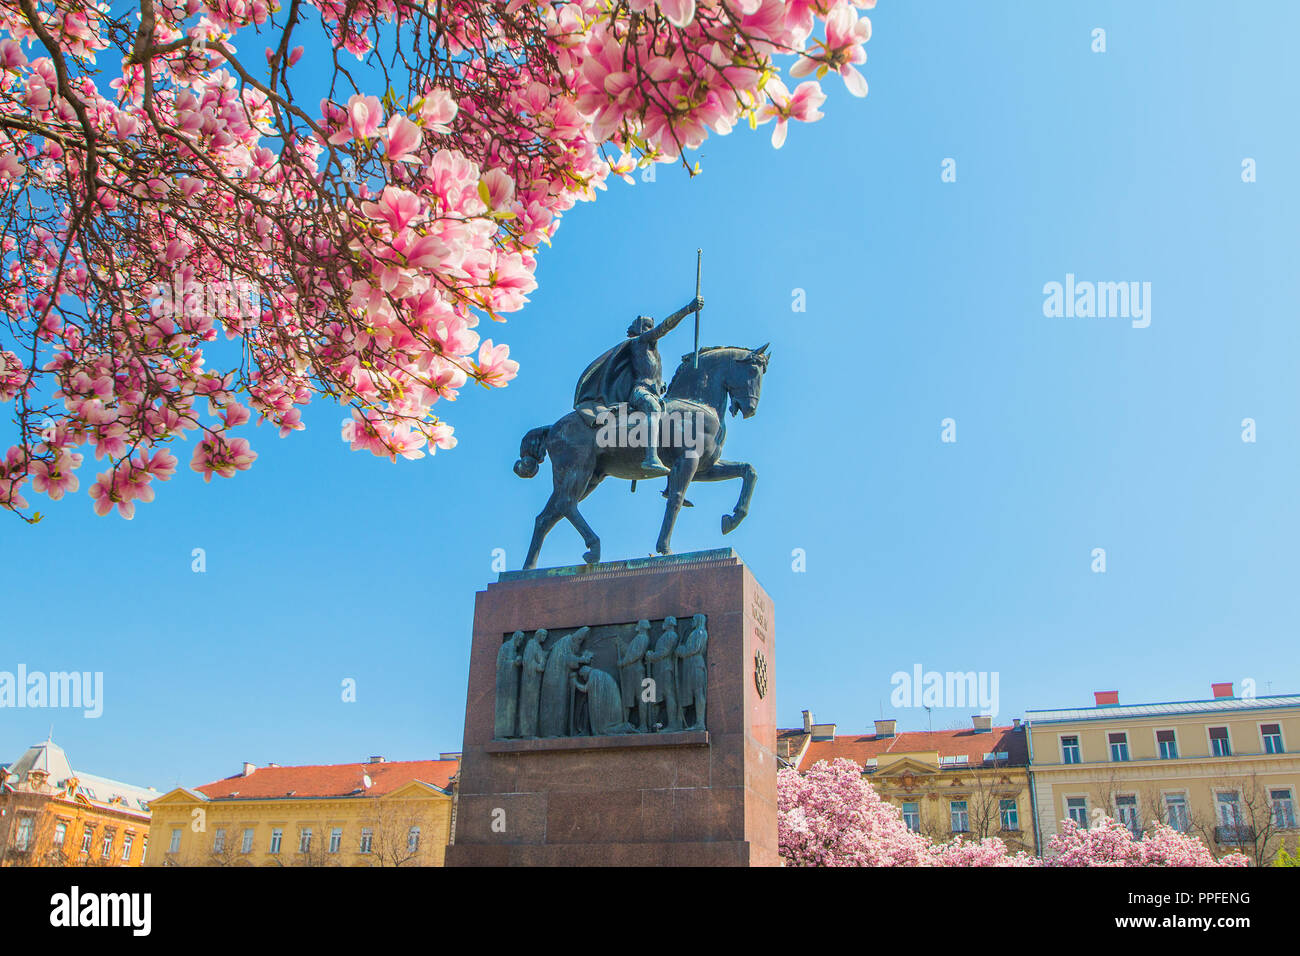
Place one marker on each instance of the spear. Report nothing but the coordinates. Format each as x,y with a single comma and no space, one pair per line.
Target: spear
695,359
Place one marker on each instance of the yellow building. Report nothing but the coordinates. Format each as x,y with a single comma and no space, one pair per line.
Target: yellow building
378,813
52,815
1226,769
969,783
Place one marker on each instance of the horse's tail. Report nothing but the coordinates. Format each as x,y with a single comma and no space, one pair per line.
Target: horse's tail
532,451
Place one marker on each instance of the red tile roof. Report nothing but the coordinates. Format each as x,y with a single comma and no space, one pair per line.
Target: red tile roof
790,742
331,780
948,743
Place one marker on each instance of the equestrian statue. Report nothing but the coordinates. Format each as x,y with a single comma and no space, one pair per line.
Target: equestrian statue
626,423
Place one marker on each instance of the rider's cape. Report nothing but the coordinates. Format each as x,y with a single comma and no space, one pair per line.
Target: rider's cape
606,383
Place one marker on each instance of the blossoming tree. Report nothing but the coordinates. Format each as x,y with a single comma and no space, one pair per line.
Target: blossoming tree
167,183
832,816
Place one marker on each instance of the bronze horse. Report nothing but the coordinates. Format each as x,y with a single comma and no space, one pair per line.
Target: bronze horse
692,432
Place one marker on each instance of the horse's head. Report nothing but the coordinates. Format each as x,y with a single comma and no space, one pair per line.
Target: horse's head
739,372
744,379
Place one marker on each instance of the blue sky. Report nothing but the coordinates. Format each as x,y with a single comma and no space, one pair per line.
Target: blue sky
924,302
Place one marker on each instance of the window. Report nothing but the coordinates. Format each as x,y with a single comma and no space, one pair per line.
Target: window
1228,813
1070,750
219,841
1272,738
912,816
144,850
413,840
175,846
277,834
304,840
1219,746
247,845
60,834
106,847
1010,814
1283,809
88,837
960,817
1176,811
1167,742
1229,808
1077,809
336,839
367,836
127,842
1118,746
24,838
1126,811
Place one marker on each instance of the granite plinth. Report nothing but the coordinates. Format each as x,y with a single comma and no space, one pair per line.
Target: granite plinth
692,798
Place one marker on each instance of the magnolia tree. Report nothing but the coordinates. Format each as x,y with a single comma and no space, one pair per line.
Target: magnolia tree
1111,843
832,816
167,182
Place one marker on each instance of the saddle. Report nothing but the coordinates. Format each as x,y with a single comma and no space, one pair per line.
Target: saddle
592,412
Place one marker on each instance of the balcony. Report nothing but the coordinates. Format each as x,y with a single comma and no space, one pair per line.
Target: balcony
1234,835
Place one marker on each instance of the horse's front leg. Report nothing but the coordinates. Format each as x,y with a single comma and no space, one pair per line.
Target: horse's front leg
725,471
678,480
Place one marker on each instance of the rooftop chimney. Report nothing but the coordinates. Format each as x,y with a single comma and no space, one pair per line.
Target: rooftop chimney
983,723
376,759
1015,721
449,756
1106,698
249,768
823,731
885,728
807,721
1222,690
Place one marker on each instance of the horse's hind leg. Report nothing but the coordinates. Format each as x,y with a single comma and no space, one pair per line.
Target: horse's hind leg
588,536
577,494
678,481
552,513
572,451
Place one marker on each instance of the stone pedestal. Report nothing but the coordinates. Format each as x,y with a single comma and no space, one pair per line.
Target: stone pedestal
695,797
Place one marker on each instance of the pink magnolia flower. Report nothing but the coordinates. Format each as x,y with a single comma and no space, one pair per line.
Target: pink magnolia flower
402,440
500,188
106,496
845,34
12,57
364,114
401,139
437,110
54,479
9,496
396,207
162,464
440,436
679,12
222,456
494,365
782,106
